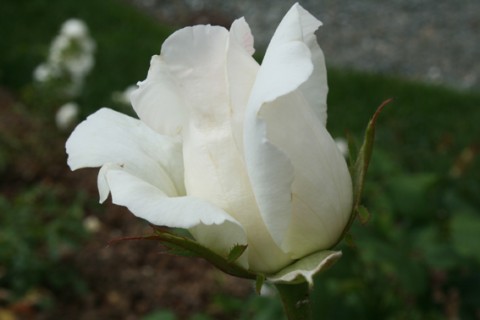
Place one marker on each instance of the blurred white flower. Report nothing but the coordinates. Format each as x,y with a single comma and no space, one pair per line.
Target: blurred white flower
342,145
74,28
66,115
123,97
41,73
70,59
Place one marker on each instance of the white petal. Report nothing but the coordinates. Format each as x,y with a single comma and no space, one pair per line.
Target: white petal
241,73
321,192
240,34
306,268
315,89
299,177
286,65
150,203
109,137
196,59
158,101
102,183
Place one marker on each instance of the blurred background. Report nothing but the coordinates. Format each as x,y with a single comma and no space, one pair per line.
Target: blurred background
417,257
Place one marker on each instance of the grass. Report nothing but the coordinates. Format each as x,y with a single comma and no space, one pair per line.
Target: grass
424,181
422,122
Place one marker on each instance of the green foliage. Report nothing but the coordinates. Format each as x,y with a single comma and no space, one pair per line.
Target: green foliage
419,247
125,42
160,315
424,126
417,258
255,307
40,231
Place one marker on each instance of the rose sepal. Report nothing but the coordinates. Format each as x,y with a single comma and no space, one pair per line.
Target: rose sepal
302,270
359,167
177,244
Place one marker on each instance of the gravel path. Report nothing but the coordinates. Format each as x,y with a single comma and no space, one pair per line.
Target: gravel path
437,41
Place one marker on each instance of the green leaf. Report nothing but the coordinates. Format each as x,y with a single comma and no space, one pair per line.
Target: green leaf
466,235
414,187
437,252
236,252
363,214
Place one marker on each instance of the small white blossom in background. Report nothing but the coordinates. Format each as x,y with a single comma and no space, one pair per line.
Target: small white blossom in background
342,145
123,97
74,28
42,73
66,115
70,59
92,224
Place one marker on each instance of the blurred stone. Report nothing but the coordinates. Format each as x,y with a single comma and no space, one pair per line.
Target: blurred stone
400,37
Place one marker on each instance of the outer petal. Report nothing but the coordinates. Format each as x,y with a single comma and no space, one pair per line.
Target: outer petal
321,192
300,180
285,67
150,203
111,137
315,89
158,101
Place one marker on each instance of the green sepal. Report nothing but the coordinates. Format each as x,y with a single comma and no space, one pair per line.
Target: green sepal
182,245
236,252
259,283
359,166
178,251
352,148
196,249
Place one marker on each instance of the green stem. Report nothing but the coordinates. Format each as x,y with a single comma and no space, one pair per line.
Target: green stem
296,300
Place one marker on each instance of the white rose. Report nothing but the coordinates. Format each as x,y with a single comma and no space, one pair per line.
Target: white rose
235,152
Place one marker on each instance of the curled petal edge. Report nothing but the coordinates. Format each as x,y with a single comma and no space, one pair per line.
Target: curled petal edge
145,200
306,268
